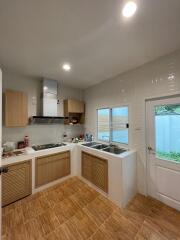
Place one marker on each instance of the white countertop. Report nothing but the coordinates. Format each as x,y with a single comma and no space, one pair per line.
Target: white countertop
31,153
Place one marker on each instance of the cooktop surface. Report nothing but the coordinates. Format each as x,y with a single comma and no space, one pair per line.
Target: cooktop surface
46,146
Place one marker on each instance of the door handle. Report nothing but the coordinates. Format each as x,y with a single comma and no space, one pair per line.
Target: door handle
3,170
151,150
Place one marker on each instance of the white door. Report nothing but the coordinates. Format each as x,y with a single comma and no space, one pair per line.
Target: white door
163,150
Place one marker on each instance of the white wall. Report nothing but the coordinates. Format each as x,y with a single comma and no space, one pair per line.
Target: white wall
39,133
150,80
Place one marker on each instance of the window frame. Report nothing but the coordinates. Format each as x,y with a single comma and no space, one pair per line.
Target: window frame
110,125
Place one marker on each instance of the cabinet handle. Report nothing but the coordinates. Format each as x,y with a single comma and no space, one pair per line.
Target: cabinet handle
3,170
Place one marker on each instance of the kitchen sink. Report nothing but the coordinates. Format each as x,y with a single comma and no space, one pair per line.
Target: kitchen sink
105,147
100,146
90,144
115,150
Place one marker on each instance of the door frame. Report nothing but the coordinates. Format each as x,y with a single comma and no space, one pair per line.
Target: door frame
154,98
0,151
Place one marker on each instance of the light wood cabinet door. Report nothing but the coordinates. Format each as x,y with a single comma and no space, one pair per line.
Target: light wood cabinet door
73,106
52,167
16,183
87,166
100,173
16,109
95,170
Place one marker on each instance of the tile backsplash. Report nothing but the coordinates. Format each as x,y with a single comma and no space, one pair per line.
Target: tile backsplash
41,134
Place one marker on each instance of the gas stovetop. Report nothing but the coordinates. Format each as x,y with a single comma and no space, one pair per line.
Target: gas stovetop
46,146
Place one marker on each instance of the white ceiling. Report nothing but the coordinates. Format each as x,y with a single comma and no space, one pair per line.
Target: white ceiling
37,36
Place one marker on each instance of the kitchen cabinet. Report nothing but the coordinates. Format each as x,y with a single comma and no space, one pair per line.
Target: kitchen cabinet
16,109
51,167
74,111
73,106
16,183
95,170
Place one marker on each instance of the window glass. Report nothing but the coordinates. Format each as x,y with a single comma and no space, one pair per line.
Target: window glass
167,132
103,124
120,125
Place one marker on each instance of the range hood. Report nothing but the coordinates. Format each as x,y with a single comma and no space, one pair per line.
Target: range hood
49,104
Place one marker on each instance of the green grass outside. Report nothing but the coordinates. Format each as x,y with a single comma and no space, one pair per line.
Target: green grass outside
172,156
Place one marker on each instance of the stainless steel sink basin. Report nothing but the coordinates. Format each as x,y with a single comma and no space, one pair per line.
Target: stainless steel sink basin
100,146
104,147
90,144
114,150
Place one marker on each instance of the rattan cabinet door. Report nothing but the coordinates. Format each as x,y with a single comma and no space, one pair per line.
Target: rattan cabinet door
52,167
17,183
95,170
87,166
100,173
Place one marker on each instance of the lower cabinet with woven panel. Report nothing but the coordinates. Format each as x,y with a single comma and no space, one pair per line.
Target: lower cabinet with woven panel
51,167
95,170
17,182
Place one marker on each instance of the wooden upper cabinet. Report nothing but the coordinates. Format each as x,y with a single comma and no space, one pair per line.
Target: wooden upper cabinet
16,109
73,106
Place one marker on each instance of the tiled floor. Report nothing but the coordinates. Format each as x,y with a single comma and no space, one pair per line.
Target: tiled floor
72,210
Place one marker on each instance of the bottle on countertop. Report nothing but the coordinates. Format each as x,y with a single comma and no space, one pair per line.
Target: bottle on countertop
26,141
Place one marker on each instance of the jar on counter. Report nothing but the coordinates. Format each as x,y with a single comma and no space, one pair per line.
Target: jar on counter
26,141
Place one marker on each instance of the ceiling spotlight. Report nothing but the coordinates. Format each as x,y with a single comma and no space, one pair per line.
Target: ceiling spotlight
129,9
66,67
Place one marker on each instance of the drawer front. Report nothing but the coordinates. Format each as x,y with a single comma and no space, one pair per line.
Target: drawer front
17,183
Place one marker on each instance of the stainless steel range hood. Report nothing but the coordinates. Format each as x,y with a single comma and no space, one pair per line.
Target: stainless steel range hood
49,104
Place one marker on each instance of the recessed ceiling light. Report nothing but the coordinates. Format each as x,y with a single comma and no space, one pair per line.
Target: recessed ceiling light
129,9
66,67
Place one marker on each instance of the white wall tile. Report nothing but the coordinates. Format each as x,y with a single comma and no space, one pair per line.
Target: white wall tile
155,79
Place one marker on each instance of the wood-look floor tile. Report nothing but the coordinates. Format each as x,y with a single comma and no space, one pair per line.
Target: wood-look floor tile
47,222
68,190
139,205
99,235
136,218
83,224
98,210
34,208
67,231
33,230
108,202
72,210
54,197
147,232
83,197
163,227
51,236
65,210
118,227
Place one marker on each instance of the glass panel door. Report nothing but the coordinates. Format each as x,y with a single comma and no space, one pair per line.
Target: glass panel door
167,132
